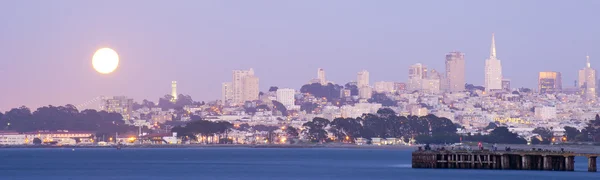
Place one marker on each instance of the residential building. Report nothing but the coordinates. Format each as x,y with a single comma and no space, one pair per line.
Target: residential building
362,78
244,86
384,87
118,104
545,113
226,92
365,92
506,84
286,97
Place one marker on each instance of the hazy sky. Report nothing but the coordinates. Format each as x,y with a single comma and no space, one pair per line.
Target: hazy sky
46,46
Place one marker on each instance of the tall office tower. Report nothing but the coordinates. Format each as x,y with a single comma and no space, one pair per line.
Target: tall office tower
286,97
174,91
416,74
321,76
118,104
587,81
549,82
362,78
455,71
506,84
244,86
226,92
493,70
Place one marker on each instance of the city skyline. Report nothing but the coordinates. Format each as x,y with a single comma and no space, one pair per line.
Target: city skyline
53,64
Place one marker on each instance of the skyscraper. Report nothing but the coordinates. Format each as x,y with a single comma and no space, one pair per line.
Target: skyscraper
416,74
549,82
587,81
226,92
321,76
244,86
362,78
174,91
455,71
493,70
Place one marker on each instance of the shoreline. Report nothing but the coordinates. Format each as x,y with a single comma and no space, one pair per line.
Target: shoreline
574,148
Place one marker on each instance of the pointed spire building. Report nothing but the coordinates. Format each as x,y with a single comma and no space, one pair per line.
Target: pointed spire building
493,69
587,81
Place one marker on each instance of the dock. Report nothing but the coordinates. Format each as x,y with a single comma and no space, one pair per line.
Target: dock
535,159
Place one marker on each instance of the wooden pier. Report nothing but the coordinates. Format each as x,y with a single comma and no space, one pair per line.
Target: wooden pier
509,160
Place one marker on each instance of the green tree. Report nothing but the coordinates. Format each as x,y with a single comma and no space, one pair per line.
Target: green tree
37,141
315,129
571,133
291,132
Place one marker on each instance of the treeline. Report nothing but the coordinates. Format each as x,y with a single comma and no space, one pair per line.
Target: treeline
386,124
66,117
201,127
591,133
165,102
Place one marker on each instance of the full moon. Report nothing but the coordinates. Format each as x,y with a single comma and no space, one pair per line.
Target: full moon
105,60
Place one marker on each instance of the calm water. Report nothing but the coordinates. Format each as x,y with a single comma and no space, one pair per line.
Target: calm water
241,163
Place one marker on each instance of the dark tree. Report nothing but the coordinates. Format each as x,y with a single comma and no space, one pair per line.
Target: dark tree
491,125
280,107
37,141
329,91
273,88
308,107
571,133
546,134
291,132
383,99
315,129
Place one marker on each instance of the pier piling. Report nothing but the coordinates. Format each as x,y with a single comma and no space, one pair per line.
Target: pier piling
515,160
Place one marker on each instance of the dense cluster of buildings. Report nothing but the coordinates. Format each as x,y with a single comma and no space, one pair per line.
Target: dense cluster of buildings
427,91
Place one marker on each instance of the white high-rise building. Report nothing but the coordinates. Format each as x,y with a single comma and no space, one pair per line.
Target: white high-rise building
244,86
493,70
417,71
587,81
226,92
286,97
455,71
365,92
416,74
362,78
